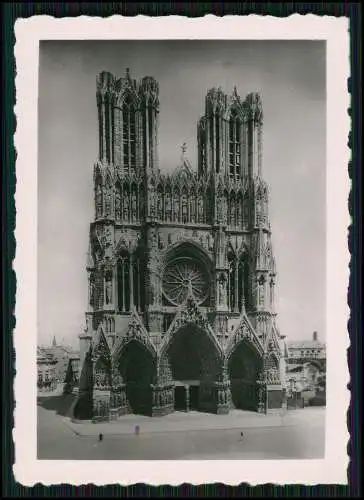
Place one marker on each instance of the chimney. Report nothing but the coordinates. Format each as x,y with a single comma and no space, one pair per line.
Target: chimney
314,336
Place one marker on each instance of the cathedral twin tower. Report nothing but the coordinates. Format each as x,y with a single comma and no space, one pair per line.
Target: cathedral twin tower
180,266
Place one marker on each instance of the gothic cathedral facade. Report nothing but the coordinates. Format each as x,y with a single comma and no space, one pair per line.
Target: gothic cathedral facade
181,272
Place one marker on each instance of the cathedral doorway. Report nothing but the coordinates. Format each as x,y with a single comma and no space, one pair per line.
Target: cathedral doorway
244,365
137,367
180,398
194,362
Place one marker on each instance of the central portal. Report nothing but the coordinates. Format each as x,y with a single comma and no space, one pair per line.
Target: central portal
186,395
195,366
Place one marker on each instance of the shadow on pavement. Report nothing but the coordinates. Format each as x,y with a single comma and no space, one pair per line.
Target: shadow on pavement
60,403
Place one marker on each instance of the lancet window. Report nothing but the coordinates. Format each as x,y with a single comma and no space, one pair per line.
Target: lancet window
234,145
217,138
238,284
129,136
130,283
233,304
184,207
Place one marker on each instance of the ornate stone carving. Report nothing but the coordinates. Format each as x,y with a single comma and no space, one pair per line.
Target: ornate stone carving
134,205
126,206
160,241
98,201
222,289
108,201
135,331
108,288
244,332
117,205
107,237
92,288
116,377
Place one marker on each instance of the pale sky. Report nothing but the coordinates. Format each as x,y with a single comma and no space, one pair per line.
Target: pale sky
290,76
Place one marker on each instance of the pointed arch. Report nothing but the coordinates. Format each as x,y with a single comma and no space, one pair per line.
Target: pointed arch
101,361
136,332
190,314
244,332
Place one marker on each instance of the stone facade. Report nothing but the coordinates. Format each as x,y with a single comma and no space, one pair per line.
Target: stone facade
181,269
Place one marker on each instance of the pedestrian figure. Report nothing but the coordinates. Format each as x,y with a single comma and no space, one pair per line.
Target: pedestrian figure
242,434
100,437
137,429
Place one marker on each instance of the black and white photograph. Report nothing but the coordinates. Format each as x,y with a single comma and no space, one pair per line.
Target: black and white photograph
181,253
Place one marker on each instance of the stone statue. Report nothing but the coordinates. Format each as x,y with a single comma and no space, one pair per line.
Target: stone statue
168,207
107,202
98,201
134,206
200,209
108,289
192,209
151,202
160,207
117,205
261,293
238,213
184,208
219,208
108,237
92,289
176,209
126,206
221,290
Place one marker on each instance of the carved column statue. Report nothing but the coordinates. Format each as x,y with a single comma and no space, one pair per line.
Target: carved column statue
108,288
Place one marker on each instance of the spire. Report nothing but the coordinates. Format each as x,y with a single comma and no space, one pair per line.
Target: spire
54,342
183,153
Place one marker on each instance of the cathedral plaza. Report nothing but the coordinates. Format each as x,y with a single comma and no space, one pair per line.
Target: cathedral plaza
181,270
240,435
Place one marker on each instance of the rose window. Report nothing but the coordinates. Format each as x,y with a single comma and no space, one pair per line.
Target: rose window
185,275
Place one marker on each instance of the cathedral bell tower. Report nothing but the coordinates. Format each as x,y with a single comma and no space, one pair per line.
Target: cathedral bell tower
118,271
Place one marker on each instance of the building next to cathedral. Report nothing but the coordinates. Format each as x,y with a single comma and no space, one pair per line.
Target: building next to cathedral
180,267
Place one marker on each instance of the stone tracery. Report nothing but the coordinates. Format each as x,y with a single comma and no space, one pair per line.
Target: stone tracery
188,251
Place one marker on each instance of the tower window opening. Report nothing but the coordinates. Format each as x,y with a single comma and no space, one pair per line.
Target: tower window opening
234,146
129,136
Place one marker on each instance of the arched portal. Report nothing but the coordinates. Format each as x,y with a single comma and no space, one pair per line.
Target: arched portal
194,365
138,368
244,365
